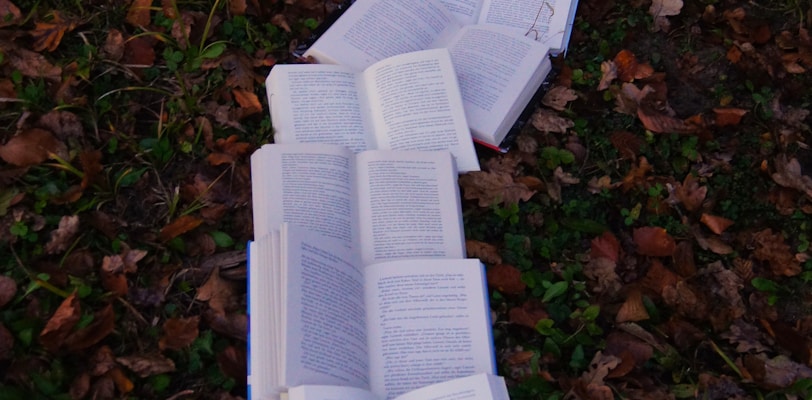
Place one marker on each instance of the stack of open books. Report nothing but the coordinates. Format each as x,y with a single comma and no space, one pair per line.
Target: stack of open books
358,283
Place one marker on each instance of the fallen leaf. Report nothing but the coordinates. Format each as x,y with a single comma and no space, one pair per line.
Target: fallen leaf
62,237
113,275
627,144
123,384
608,74
632,309
529,314
138,15
772,248
9,14
232,361
632,351
8,289
558,97
506,278
114,45
627,64
715,223
591,385
61,323
228,151
103,323
80,386
547,121
602,272
786,336
662,123
597,185
658,277
138,53
665,8
724,286
787,173
179,333
178,227
48,35
728,116
234,325
606,245
683,334
491,188
280,21
689,193
654,241
33,65
248,101
637,174
237,7
217,291
32,147
145,365
684,260
102,361
486,252
6,343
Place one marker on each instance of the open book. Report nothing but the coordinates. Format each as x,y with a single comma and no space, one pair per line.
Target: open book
474,387
385,204
406,102
499,62
321,317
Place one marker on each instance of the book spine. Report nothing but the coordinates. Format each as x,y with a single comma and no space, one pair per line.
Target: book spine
488,316
248,312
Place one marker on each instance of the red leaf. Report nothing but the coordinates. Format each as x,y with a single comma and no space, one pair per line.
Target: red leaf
654,241
60,324
506,278
103,323
179,333
31,147
716,224
605,245
178,227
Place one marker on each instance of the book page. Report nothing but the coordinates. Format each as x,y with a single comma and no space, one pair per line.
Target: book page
418,106
466,11
498,73
325,392
325,329
307,185
371,30
541,20
474,387
409,206
428,323
318,104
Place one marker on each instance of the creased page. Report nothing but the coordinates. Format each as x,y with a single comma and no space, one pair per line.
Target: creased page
371,30
326,339
498,74
428,323
419,106
307,185
474,387
318,104
410,206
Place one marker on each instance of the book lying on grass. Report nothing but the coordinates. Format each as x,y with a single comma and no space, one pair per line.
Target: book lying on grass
498,66
319,316
407,102
474,387
385,204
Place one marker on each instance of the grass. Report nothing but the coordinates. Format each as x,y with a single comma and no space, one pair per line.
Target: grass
156,129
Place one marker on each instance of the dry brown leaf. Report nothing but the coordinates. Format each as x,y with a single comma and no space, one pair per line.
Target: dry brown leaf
91,166
486,252
491,188
179,333
114,45
506,278
684,260
280,21
772,248
33,65
80,386
228,151
725,287
218,292
237,7
665,8
547,121
9,14
591,386
139,13
597,185
234,325
233,361
627,65
103,323
138,52
787,173
102,361
248,101
626,98
123,384
61,323
662,123
8,289
789,338
145,365
746,337
62,237
627,144
714,244
558,97
113,275
637,175
654,241
48,35
606,245
690,194
601,271
608,74
529,314
178,227
715,223
728,116
632,309
658,277
32,147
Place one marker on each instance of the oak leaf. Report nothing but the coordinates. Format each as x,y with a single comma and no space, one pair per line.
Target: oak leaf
9,14
506,278
138,14
715,223
178,227
48,35
654,241
558,97
145,365
61,323
31,147
491,188
486,252
605,245
179,333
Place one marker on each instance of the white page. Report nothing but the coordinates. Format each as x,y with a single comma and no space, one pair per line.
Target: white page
474,387
466,11
325,329
498,73
418,105
428,321
409,206
326,392
308,185
319,104
372,30
542,20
